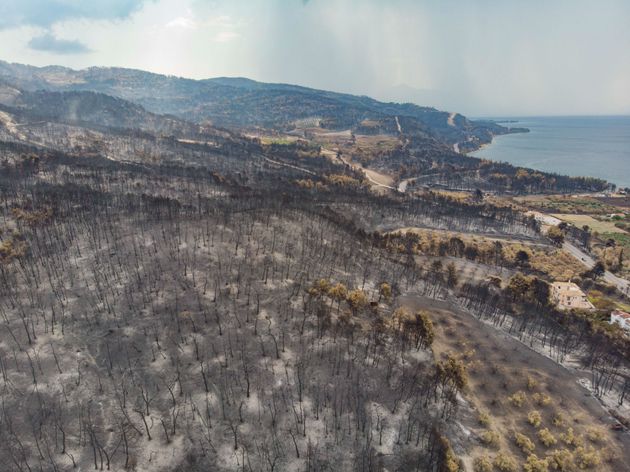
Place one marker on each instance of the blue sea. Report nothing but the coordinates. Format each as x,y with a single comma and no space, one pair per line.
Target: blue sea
577,146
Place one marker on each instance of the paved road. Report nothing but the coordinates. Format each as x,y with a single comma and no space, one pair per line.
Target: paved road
586,259
622,284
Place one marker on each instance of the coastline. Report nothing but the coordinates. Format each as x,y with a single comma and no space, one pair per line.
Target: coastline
482,146
572,146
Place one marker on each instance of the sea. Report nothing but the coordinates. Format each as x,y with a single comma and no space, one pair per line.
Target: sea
595,146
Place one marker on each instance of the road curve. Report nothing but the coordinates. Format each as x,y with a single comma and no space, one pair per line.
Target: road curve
587,260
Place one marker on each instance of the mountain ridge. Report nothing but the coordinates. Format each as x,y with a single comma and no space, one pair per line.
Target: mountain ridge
240,102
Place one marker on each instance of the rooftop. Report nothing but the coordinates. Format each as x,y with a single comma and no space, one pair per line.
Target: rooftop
621,314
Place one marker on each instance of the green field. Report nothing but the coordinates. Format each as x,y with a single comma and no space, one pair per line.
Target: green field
595,225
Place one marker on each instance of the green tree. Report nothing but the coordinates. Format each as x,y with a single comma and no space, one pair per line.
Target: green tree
518,286
556,235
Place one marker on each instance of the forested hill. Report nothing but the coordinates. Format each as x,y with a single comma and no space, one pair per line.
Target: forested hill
239,102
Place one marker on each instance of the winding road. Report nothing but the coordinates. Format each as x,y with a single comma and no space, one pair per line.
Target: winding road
587,260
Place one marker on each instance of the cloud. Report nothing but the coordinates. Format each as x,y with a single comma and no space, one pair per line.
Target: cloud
49,43
45,13
182,22
225,36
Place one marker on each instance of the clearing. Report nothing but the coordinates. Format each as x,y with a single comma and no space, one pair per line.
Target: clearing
502,371
595,225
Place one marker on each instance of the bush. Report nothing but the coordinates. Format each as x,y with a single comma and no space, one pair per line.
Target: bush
449,461
534,418
490,438
558,420
595,435
571,439
534,464
541,399
524,443
561,460
518,399
531,383
504,463
545,437
482,464
585,458
484,419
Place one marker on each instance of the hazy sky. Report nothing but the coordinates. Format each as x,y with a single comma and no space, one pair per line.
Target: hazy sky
478,57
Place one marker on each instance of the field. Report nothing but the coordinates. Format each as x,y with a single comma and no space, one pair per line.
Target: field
507,400
595,225
570,204
622,239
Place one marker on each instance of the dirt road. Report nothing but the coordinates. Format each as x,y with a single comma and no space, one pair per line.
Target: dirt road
291,166
376,178
398,126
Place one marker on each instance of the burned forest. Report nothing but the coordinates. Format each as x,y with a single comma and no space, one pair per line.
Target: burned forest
181,296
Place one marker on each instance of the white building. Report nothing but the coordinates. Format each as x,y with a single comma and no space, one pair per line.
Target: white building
621,318
567,296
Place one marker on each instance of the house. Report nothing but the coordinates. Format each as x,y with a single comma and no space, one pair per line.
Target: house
621,318
567,296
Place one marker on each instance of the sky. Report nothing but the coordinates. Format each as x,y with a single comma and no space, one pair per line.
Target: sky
477,57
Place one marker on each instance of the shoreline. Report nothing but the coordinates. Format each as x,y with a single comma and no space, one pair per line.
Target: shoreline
487,145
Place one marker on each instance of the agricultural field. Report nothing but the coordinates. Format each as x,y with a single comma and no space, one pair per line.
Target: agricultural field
595,224
568,204
528,411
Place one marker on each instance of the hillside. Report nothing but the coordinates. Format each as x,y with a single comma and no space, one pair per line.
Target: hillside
180,297
239,102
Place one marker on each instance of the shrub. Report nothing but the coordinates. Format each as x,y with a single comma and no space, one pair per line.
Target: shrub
561,460
571,439
558,420
482,464
534,464
385,291
532,383
504,463
452,371
518,399
524,443
490,438
541,399
545,437
595,435
484,419
534,418
585,458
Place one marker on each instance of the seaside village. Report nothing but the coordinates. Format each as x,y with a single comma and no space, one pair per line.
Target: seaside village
568,296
